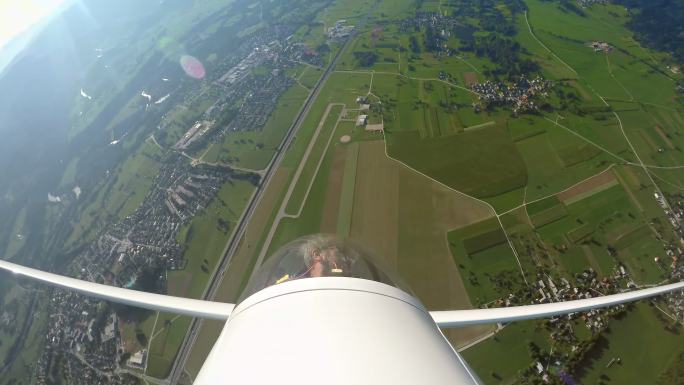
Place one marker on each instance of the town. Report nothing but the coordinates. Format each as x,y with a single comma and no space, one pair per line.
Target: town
135,252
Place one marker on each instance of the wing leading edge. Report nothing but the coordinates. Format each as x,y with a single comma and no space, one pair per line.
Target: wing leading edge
460,318
151,301
221,311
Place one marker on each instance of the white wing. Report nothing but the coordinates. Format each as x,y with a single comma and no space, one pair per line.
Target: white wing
460,318
178,305
221,311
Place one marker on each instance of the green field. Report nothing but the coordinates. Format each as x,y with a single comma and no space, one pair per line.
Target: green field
481,163
319,148
485,260
484,241
310,76
498,359
642,343
164,347
548,216
609,218
130,330
309,219
344,216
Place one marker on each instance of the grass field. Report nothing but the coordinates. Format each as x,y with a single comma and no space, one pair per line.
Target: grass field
483,264
498,360
588,187
345,209
482,163
548,164
548,216
135,178
644,346
165,345
310,76
129,330
612,219
325,136
309,220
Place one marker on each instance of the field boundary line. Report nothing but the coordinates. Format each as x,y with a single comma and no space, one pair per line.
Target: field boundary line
588,141
558,192
529,28
461,58
667,181
149,341
498,218
410,78
625,161
479,126
155,335
637,101
302,74
482,338
610,72
641,163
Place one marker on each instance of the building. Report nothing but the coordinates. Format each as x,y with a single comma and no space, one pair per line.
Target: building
361,120
138,359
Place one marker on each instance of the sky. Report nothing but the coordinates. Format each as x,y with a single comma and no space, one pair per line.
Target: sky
16,16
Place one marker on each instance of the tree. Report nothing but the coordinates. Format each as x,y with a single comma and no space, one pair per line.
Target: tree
366,58
415,46
141,337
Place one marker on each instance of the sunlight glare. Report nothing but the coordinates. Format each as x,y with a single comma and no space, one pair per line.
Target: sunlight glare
17,16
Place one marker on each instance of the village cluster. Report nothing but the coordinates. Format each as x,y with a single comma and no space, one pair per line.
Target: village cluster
519,96
568,349
340,30
439,29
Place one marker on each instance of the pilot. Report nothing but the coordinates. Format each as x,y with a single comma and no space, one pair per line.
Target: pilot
318,264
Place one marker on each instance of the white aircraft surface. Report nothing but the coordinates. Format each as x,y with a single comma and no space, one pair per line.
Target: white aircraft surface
353,324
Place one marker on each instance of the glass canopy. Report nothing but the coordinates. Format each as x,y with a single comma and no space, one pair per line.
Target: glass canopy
320,256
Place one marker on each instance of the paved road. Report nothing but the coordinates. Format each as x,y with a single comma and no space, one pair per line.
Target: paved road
233,243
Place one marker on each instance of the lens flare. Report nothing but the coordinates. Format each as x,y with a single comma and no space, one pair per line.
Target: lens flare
192,67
